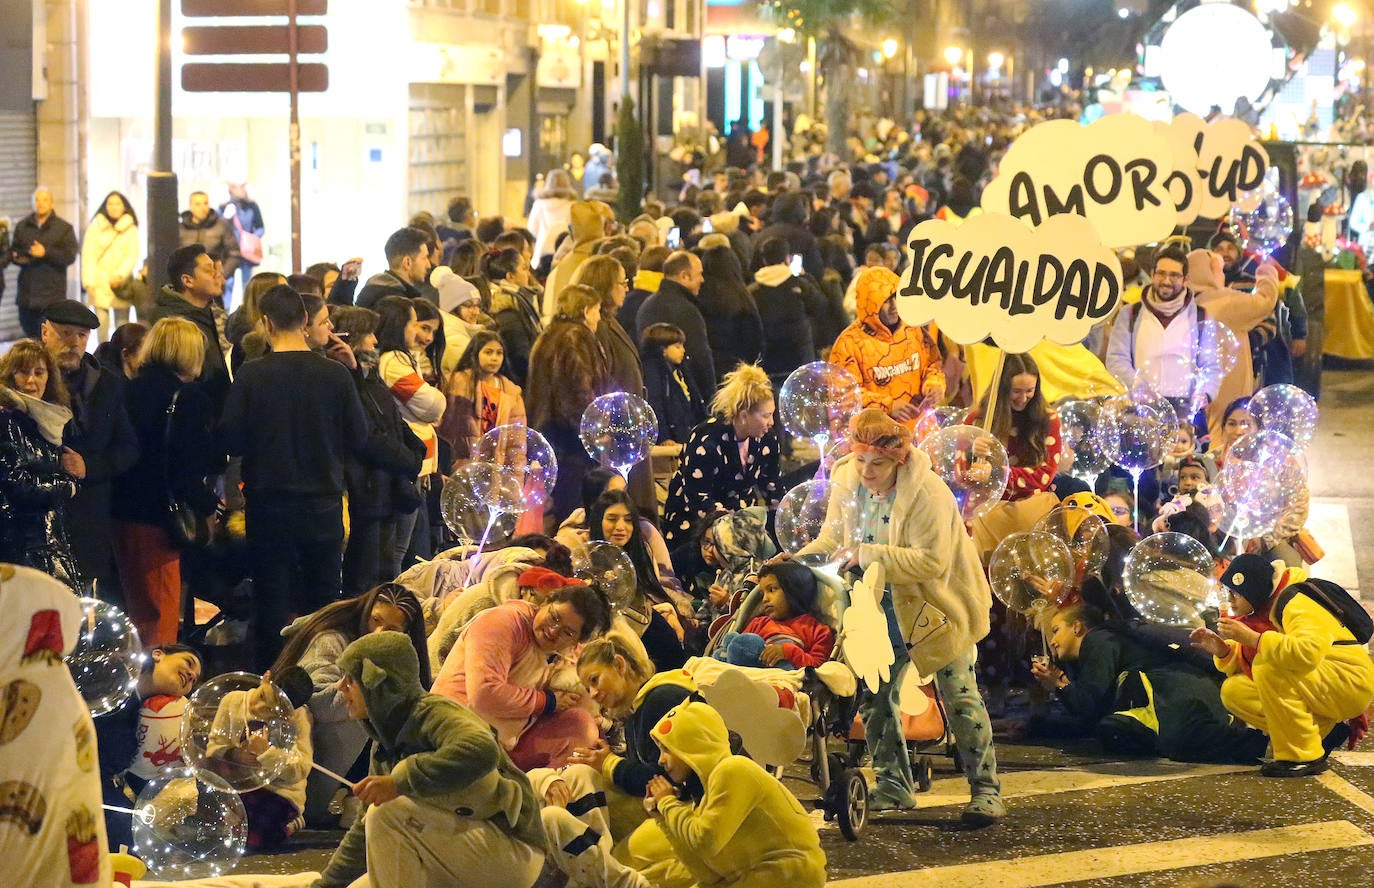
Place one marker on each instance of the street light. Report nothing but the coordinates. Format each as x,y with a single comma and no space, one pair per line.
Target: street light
1343,14
995,60
787,35
953,55
889,48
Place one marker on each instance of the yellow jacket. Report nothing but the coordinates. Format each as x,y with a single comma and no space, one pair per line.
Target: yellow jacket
1309,637
747,831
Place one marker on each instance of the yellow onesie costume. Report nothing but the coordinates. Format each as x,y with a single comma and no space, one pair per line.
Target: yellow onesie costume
1305,678
747,831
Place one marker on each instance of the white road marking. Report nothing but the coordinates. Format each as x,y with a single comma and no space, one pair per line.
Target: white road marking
1125,860
1330,523
1354,759
1017,784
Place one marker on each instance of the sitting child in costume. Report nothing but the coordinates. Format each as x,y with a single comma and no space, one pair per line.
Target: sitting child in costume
241,743
720,819
1295,669
789,633
1139,698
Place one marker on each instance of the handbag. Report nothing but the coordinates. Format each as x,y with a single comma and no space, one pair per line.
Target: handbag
185,528
250,245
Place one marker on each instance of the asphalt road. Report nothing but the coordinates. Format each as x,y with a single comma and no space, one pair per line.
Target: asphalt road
1077,817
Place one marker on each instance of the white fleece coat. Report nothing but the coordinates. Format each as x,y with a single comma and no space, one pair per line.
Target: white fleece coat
108,253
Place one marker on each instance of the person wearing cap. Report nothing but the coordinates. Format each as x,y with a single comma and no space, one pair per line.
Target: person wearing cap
44,247
101,436
899,367
1294,669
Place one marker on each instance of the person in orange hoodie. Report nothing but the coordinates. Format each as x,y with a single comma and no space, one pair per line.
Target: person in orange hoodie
898,366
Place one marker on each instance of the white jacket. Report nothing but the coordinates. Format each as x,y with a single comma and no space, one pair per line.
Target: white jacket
939,590
109,253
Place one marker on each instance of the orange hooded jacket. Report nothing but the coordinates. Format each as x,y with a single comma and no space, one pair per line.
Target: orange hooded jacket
892,366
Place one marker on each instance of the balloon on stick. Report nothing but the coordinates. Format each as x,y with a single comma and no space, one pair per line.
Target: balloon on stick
1168,579
241,728
1288,410
1262,480
618,430
1077,420
1030,571
107,659
977,482
189,824
816,402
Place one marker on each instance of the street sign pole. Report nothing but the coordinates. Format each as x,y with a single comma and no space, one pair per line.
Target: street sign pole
293,43
163,237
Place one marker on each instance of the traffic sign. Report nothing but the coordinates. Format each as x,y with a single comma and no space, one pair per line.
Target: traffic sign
248,77
230,8
253,40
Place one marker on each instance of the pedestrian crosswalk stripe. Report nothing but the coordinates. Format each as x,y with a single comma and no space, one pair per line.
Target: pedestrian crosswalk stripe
1125,860
1347,790
954,790
1354,759
1329,522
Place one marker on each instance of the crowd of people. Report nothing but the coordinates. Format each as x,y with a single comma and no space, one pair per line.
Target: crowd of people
286,461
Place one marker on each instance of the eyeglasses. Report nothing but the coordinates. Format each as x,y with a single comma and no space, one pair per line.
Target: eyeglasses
565,632
1120,510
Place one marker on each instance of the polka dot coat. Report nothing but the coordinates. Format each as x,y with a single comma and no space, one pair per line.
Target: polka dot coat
712,477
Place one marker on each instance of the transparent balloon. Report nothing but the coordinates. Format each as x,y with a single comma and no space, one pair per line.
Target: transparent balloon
464,511
1218,352
1084,533
977,482
937,418
817,401
1031,571
241,728
1262,219
524,469
189,824
618,430
1135,433
1077,420
107,658
1288,410
1168,579
1173,384
1263,480
609,567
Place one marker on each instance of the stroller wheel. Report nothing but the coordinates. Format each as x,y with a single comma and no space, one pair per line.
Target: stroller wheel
925,770
852,809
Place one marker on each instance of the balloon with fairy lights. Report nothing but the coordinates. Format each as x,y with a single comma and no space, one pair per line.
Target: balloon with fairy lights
520,473
1077,420
973,463
1031,571
1262,219
464,511
801,515
618,430
188,823
816,403
242,728
1262,481
1168,579
107,658
1083,532
1288,410
1135,432
609,568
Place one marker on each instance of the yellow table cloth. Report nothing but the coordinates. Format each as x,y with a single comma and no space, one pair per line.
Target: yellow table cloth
1349,316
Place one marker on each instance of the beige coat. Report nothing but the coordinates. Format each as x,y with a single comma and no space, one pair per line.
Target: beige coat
939,591
1241,312
109,254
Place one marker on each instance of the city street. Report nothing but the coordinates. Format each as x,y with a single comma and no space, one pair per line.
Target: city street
1075,817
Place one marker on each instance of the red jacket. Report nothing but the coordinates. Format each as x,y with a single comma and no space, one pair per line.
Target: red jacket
805,640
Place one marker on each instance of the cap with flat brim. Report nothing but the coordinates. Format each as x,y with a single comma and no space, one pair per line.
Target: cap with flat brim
71,312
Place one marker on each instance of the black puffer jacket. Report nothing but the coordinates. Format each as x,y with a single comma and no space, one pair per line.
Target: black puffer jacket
34,492
391,460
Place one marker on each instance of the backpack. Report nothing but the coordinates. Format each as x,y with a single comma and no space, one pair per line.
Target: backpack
1336,600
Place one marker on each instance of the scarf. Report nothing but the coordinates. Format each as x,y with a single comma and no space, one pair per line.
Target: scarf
1258,620
51,418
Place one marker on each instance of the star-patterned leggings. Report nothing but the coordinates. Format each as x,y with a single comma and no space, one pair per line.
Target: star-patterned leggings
968,720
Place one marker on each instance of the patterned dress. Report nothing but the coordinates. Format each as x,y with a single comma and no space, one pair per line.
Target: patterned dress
712,477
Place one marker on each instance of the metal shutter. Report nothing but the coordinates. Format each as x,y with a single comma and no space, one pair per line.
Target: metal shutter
18,179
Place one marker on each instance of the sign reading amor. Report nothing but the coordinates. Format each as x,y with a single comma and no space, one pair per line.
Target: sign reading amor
994,276
1133,179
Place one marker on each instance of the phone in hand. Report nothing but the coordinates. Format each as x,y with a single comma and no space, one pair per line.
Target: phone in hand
796,264
674,238
707,227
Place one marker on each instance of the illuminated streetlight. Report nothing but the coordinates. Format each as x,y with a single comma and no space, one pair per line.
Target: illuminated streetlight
953,55
787,35
995,60
1343,14
1123,12
889,48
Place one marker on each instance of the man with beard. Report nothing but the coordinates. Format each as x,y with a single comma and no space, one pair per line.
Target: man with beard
100,437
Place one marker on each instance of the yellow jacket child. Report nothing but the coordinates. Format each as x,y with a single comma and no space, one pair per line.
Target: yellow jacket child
1296,671
739,828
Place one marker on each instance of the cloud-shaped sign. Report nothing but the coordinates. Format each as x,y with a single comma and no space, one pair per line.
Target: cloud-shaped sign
994,276
1213,162
1116,171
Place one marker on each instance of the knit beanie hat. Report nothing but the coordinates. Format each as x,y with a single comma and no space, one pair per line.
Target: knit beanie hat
1252,577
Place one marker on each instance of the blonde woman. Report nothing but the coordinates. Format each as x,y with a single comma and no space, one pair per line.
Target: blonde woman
172,416
731,459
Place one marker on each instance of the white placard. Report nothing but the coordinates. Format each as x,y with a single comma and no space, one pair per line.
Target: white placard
1213,162
995,276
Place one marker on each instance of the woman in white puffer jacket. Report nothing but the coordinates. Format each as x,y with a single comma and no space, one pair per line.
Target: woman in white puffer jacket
109,257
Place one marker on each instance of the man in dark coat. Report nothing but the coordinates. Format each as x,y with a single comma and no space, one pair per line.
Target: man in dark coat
100,437
44,246
407,259
787,220
675,303
202,225
194,285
